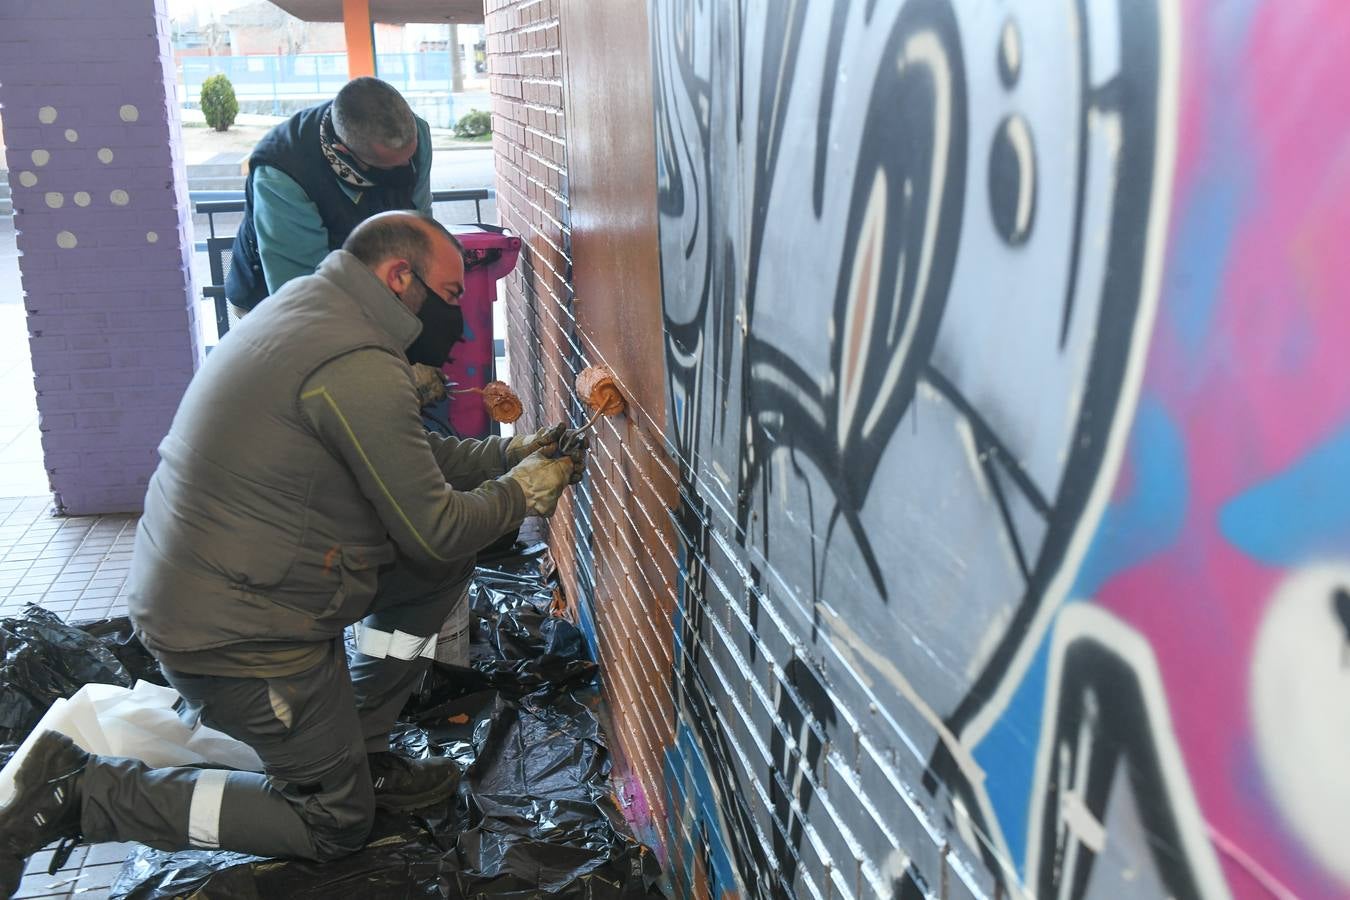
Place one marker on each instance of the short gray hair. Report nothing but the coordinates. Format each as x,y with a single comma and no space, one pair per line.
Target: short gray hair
402,236
368,112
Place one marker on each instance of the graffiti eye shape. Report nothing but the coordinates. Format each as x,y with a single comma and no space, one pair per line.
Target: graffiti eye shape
1009,54
1012,180
1340,604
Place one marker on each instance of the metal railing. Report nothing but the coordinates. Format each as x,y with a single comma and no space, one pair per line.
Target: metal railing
216,203
282,84
258,77
218,247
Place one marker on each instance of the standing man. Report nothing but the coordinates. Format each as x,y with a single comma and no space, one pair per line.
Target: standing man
297,494
317,175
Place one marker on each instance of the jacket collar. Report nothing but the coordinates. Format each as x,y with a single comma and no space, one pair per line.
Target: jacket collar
379,304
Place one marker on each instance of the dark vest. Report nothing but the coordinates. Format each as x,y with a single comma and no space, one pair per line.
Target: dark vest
293,149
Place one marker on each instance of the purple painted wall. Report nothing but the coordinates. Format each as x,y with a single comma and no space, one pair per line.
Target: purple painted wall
100,197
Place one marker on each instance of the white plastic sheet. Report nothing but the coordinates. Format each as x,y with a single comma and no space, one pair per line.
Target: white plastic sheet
139,723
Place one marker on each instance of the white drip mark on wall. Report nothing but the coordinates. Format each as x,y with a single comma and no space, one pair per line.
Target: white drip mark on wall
66,240
47,115
119,197
105,155
27,179
151,237
129,113
1085,826
41,157
81,198
72,135
55,199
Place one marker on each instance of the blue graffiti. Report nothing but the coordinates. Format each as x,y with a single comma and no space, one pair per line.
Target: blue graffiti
1300,514
1008,755
1216,202
694,813
1150,519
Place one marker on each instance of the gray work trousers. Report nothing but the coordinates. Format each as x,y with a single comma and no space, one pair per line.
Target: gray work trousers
311,730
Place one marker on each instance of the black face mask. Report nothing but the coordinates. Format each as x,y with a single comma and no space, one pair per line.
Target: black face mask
397,177
442,328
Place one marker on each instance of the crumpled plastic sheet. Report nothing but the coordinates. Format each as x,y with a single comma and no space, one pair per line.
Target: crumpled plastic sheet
119,637
516,645
43,659
533,815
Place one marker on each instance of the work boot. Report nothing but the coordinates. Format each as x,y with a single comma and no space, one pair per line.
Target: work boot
45,807
403,784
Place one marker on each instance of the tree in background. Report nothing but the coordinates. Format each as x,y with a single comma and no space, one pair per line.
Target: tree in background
219,105
473,124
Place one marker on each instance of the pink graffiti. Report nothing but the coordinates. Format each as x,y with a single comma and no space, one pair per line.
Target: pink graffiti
1266,381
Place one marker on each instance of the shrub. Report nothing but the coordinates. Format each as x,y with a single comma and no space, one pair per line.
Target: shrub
219,104
474,123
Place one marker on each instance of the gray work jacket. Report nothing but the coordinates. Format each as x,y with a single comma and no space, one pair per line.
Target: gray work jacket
295,465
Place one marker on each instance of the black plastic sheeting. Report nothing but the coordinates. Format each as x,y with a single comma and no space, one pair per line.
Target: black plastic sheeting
533,816
43,659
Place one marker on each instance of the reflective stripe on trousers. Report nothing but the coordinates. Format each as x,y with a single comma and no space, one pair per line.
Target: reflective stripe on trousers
396,644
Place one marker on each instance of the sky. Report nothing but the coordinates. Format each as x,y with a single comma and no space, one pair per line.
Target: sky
205,9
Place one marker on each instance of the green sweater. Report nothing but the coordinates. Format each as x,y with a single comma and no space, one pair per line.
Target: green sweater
292,239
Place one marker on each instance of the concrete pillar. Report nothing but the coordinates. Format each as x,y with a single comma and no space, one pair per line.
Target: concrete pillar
360,38
456,61
100,195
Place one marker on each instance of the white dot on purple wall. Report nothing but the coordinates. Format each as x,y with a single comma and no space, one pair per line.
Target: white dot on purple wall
66,240
81,198
47,115
129,113
119,197
72,135
151,237
41,157
105,155
27,179
55,200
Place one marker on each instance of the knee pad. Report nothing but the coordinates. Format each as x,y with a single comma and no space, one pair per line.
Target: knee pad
340,814
338,837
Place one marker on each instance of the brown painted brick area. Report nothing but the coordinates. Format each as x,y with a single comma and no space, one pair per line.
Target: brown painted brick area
612,536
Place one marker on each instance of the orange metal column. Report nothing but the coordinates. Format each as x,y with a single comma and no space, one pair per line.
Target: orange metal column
360,38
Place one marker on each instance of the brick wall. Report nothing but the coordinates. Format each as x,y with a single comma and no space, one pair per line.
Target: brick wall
525,76
100,209
586,292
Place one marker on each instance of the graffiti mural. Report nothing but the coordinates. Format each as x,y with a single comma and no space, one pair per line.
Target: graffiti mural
996,538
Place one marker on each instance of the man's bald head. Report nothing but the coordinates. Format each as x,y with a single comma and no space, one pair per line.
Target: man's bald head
401,248
411,236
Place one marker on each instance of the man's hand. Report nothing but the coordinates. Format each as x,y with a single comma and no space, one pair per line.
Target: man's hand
543,480
430,384
522,445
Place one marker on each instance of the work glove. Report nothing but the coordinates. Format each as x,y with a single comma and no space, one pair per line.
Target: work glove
430,384
522,445
543,479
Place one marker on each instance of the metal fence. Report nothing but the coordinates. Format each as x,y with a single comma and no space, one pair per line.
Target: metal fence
284,80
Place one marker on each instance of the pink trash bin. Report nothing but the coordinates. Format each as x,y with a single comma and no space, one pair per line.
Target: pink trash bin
489,254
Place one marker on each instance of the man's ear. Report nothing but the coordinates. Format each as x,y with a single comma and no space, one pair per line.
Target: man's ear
398,276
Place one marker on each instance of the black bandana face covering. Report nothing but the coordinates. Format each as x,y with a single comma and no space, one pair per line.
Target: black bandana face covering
349,169
442,328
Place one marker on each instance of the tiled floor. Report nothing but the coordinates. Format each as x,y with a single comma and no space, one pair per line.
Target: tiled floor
77,568
87,875
22,473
